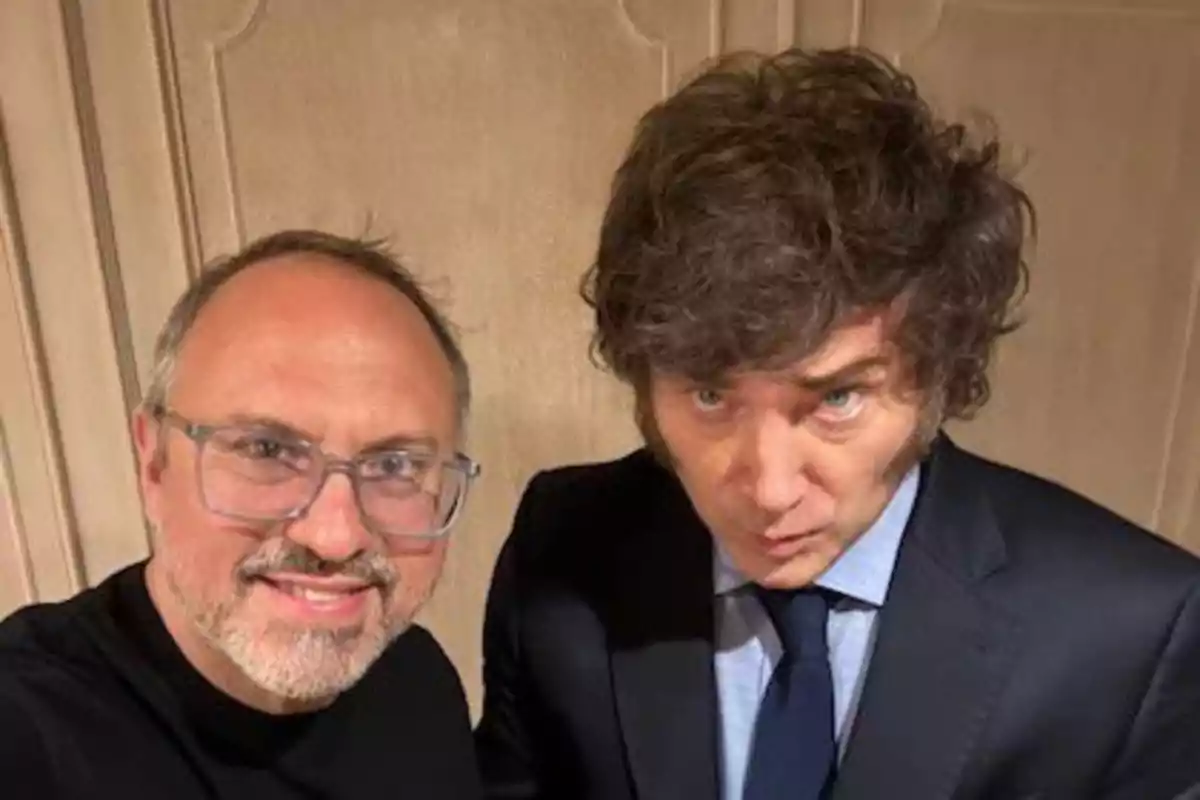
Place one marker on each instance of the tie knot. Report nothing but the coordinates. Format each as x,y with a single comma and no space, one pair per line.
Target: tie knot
799,617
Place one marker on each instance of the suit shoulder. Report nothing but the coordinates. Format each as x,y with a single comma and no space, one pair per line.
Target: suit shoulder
569,518
596,495
580,485
1042,515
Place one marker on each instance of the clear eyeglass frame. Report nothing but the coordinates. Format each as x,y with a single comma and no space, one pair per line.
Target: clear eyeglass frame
458,471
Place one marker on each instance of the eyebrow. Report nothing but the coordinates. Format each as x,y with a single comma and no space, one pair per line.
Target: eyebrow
393,442
259,421
839,376
401,442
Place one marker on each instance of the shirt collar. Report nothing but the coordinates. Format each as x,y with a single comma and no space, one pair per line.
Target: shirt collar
864,571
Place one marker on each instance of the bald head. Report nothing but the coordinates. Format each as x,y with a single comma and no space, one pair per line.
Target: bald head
307,336
369,259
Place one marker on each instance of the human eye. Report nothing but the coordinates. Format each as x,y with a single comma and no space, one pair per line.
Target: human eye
265,446
395,465
841,405
709,399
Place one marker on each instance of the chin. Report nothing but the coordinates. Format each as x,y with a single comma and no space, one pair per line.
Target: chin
305,665
794,573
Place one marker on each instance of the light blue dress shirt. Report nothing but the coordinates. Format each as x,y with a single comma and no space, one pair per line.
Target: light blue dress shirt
747,648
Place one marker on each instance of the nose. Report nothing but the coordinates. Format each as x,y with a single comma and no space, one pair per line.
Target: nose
332,528
777,464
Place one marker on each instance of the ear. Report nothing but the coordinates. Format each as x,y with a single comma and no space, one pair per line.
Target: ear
151,457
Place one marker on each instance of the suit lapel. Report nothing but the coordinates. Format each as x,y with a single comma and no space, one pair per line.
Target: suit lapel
944,651
661,644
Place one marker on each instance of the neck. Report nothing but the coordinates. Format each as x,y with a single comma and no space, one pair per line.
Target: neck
213,665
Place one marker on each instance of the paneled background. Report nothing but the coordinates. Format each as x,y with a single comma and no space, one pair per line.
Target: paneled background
141,138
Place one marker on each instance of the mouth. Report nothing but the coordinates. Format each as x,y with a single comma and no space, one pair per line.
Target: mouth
782,547
320,600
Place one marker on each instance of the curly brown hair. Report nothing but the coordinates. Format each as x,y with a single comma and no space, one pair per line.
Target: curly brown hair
771,198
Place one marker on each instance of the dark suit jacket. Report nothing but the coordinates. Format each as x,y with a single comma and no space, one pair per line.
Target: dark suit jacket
1032,645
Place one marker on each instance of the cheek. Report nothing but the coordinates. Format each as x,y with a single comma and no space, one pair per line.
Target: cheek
703,474
672,428
702,456
891,441
862,477
417,572
203,553
843,469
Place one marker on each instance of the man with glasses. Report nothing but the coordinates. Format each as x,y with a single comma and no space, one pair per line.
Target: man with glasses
298,453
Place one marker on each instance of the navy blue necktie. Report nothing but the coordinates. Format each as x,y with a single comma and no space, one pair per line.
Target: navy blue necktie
793,754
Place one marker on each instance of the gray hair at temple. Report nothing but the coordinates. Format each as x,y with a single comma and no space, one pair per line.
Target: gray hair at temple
367,256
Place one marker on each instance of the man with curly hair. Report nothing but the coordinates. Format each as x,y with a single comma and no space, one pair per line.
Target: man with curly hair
800,587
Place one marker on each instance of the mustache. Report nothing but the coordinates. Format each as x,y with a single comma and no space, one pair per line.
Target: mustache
286,556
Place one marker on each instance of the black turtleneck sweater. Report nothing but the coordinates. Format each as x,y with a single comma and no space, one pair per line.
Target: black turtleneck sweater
97,701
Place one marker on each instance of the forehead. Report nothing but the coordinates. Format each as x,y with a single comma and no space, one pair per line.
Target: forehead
863,337
860,343
320,346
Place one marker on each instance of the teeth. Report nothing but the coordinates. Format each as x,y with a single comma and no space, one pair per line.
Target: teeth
316,596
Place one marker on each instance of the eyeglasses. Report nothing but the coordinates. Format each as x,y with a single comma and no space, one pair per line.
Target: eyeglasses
260,473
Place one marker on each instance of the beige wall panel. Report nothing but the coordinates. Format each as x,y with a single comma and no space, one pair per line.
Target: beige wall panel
191,38
481,136
149,238
898,28
1096,101
827,23
52,182
424,52
765,25
1180,517
37,544
1179,505
683,32
1162,9
36,557
16,572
